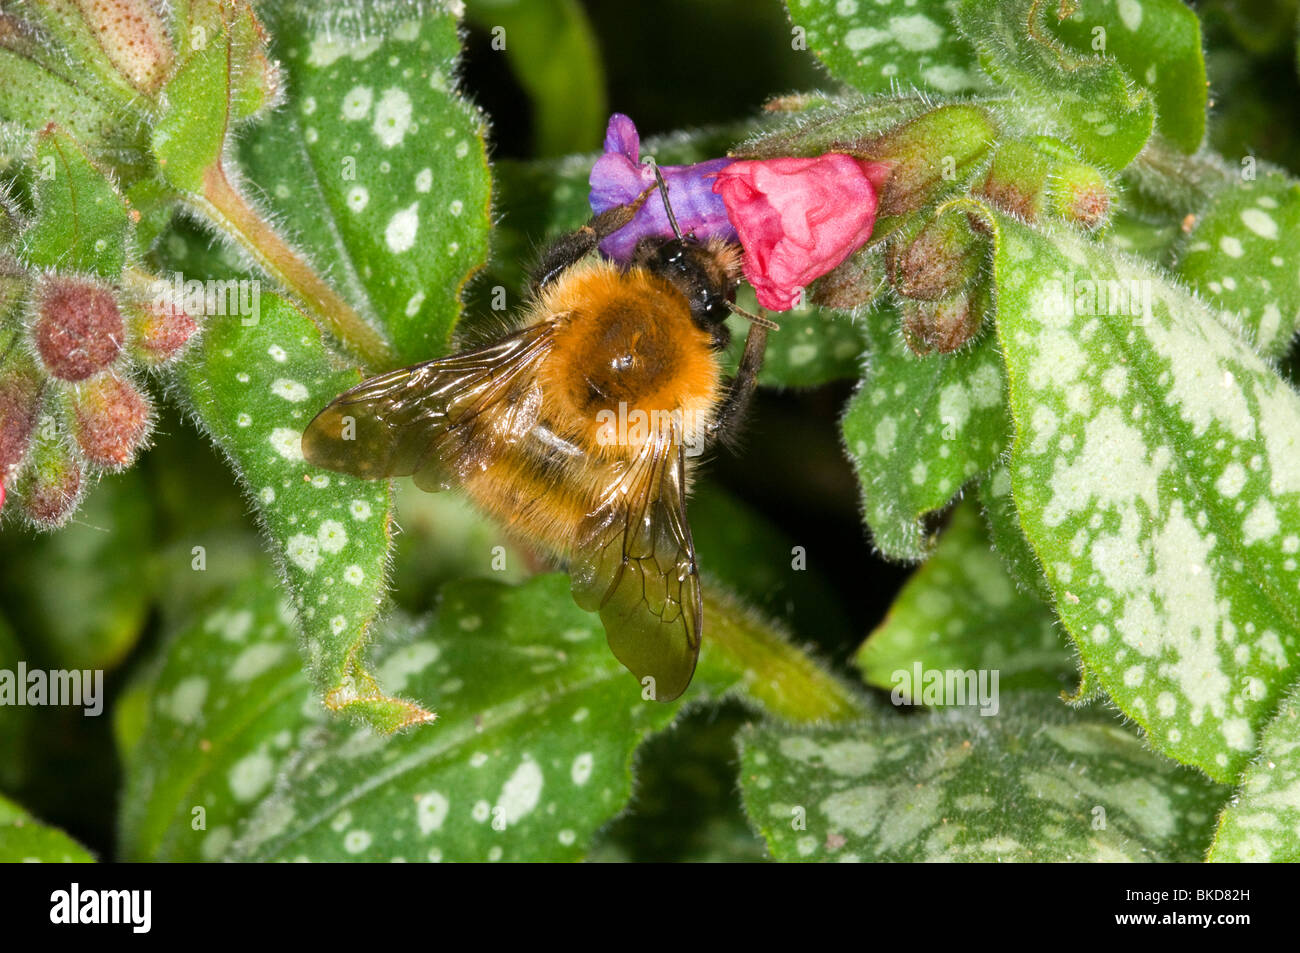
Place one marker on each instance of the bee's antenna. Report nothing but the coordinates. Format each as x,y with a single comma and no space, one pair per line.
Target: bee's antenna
754,318
663,194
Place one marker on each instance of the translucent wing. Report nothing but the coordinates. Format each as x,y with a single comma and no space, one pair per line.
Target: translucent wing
435,420
635,563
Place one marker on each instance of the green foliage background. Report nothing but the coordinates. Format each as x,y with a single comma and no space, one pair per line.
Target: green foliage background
470,140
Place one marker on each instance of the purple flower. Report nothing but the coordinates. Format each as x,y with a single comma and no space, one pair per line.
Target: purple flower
618,177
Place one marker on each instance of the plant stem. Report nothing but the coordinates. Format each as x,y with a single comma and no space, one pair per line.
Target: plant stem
222,202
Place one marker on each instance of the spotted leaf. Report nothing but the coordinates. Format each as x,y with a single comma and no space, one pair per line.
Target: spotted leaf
961,612
1241,255
254,384
532,753
918,429
1262,824
24,839
879,47
378,167
1156,474
1038,782
1090,99
1158,44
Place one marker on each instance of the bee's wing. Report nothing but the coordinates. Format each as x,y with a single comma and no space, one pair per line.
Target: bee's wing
435,420
635,563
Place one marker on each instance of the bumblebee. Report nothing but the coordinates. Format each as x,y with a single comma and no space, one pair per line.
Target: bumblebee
579,430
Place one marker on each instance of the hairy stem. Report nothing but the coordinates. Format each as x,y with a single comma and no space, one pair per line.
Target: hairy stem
223,203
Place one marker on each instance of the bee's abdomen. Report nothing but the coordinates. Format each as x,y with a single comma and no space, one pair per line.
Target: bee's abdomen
540,486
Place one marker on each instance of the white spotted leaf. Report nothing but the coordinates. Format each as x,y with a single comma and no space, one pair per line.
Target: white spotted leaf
1242,256
1262,823
531,754
880,47
1087,98
919,428
1036,782
254,387
24,839
1156,473
1007,536
377,167
1158,44
961,612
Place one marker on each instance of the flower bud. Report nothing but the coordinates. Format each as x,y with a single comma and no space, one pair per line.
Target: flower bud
935,148
852,284
1044,176
159,331
110,420
945,326
943,259
1080,195
20,406
78,329
50,484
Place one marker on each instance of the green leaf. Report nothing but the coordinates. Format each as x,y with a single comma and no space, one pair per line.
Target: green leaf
685,809
1008,537
82,595
1088,98
530,756
1155,474
881,47
814,346
552,50
918,429
23,839
224,80
1242,257
81,221
960,611
1038,782
1262,823
254,388
377,166
1158,43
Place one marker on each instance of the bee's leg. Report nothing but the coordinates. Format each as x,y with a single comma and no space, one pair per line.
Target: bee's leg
726,424
568,250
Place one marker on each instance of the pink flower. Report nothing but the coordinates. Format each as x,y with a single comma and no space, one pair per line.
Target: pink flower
798,218
619,177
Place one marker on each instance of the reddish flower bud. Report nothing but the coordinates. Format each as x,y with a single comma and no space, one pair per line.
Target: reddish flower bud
78,329
110,420
20,406
798,218
50,484
943,258
159,331
853,283
1080,194
943,326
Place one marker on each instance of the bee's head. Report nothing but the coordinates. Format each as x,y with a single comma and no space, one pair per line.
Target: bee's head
706,274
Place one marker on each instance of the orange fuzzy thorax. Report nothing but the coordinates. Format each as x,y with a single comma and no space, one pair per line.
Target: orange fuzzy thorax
626,351
544,485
